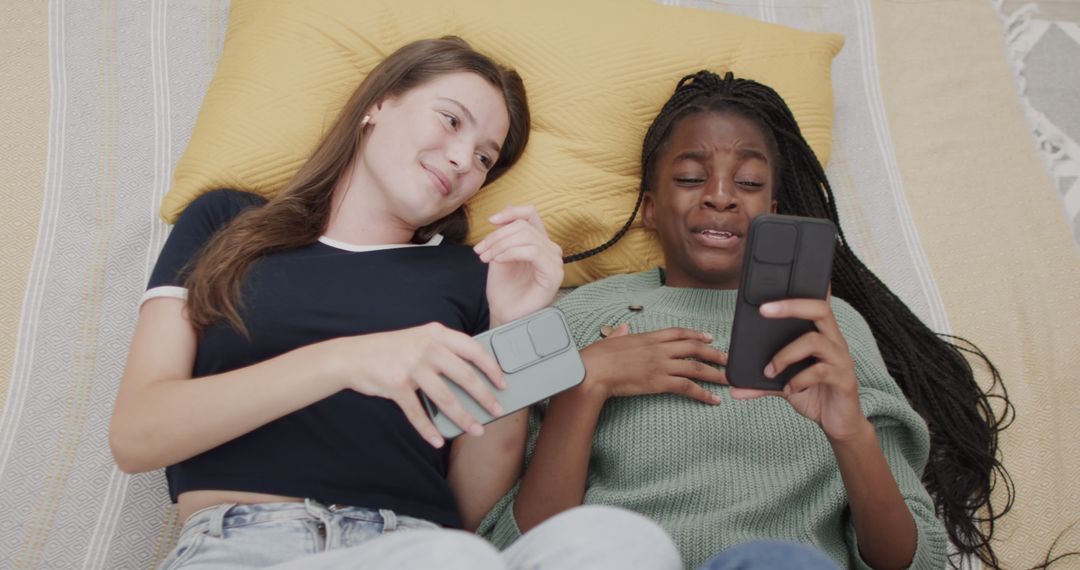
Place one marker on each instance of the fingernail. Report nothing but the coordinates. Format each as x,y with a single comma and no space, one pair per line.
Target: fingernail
716,398
770,370
435,441
495,218
768,309
476,429
708,337
479,247
496,409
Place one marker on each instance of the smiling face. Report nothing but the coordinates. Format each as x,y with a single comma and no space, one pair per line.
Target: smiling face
429,150
714,174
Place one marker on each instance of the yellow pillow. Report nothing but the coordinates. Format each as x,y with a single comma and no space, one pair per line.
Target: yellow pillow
597,72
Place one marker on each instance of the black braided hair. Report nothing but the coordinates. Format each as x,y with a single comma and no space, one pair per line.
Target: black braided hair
931,369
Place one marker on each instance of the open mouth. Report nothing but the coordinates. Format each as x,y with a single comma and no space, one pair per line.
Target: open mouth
717,234
716,238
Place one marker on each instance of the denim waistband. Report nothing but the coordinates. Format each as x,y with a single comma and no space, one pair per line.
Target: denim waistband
213,520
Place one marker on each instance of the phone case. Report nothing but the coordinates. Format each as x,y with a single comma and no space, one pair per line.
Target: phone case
787,257
538,358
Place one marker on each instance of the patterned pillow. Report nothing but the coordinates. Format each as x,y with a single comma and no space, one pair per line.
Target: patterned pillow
597,72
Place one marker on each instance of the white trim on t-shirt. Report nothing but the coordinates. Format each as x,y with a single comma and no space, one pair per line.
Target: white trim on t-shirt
435,240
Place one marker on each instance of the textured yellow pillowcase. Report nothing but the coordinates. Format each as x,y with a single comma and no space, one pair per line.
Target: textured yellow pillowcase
597,72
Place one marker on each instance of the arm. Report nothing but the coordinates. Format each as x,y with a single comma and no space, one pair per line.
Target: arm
525,270
163,415
555,478
827,392
483,468
883,523
622,365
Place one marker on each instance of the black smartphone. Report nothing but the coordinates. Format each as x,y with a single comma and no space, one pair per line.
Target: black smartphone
538,358
786,257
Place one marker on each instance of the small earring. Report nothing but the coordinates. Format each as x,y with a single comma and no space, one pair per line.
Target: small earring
364,121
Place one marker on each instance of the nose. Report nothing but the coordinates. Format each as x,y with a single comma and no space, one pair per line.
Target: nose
719,194
460,156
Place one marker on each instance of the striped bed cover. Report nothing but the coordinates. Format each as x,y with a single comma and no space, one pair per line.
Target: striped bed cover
939,181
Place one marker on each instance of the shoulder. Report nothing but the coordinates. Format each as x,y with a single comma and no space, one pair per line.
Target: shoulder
612,288
217,207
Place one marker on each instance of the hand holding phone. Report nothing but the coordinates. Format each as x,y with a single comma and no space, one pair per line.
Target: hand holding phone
538,359
786,257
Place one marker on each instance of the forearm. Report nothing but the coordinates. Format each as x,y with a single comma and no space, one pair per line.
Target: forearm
883,522
555,478
163,422
483,469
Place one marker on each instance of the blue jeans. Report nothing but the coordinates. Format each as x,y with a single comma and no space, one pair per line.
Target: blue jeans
309,535
769,554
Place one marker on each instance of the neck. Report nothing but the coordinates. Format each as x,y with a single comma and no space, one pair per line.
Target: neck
685,280
361,217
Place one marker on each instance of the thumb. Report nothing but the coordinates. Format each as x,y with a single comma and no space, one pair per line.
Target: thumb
621,330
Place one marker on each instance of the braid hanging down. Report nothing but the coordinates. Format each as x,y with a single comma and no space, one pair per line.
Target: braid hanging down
965,460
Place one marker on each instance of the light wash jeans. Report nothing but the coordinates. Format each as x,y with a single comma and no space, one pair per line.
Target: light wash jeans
309,535
769,554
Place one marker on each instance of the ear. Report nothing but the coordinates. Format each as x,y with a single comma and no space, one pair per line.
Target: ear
375,109
648,210
772,207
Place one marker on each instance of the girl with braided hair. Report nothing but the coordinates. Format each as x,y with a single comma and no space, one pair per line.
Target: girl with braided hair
878,455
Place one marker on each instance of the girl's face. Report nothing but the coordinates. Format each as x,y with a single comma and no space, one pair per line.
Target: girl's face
429,150
714,175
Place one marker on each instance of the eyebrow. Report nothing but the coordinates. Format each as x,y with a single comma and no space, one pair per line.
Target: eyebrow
471,119
701,154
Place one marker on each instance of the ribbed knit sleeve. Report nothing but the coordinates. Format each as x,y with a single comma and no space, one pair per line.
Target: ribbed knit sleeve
903,438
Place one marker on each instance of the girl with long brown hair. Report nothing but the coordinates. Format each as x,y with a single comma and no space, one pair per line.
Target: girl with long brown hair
281,345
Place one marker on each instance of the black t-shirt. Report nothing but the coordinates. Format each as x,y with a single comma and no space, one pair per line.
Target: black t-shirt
348,448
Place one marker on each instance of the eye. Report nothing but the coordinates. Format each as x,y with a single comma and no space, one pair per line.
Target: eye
750,183
451,119
485,160
689,181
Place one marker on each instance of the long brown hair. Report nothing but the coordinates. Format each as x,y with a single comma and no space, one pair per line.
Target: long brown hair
300,212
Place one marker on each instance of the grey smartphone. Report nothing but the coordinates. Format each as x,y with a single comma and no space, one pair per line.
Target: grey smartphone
538,358
786,257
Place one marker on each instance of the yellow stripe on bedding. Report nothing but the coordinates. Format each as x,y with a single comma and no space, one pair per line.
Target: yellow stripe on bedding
24,122
997,242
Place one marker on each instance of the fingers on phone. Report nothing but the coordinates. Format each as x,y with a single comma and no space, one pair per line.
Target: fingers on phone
468,349
462,373
448,404
819,374
809,309
414,412
808,345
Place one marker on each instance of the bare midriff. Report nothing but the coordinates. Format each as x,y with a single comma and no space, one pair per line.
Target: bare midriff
191,502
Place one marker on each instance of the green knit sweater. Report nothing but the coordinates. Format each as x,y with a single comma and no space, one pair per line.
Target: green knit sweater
717,476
